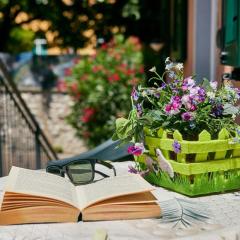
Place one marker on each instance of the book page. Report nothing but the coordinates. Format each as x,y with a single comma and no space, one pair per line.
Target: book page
40,183
111,187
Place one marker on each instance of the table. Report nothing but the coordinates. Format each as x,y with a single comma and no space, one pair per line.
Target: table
223,222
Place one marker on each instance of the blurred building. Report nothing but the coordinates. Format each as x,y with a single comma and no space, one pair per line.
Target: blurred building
213,38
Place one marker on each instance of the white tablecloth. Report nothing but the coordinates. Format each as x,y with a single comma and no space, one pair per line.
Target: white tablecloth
223,222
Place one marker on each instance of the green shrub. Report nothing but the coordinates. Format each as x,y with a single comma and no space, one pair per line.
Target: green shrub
101,85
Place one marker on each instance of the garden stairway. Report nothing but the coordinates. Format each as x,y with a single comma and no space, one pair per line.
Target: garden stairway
22,142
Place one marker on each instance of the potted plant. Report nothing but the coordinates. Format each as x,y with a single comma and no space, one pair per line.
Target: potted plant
184,133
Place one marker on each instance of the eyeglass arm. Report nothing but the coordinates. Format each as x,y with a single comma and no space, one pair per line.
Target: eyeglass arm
108,165
102,174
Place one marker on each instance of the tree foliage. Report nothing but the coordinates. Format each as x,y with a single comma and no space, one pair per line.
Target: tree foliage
70,19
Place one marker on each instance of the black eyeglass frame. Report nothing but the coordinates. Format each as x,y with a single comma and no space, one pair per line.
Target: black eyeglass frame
62,165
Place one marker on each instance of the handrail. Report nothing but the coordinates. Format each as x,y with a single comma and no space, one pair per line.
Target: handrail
40,138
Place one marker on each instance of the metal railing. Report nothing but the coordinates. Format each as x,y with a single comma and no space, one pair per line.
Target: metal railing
22,142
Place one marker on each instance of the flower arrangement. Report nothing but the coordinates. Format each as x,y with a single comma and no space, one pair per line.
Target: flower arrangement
100,86
172,125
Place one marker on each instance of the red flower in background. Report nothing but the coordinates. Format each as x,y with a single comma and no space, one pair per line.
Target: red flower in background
130,71
84,77
97,68
104,46
76,60
141,70
74,87
123,65
75,92
114,78
87,114
67,72
134,81
117,56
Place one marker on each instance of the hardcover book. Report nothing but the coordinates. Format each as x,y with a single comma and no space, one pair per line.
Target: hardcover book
32,196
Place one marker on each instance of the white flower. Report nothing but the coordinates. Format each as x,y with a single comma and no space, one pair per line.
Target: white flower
179,66
171,74
153,69
169,66
194,90
168,61
211,95
214,85
144,93
173,112
185,99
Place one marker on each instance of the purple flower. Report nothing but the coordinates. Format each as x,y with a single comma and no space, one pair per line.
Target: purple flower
134,94
163,85
172,109
201,95
176,146
187,116
132,169
176,99
139,109
217,110
174,106
136,149
188,83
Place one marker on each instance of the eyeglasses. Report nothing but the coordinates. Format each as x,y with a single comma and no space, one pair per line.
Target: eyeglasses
81,171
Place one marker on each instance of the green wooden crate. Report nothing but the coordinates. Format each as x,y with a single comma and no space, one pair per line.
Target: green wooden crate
202,167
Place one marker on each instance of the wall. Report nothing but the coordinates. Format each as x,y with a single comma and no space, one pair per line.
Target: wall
52,119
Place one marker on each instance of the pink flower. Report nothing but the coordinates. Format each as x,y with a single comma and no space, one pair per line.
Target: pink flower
61,86
136,149
67,72
172,110
194,90
193,107
168,108
176,105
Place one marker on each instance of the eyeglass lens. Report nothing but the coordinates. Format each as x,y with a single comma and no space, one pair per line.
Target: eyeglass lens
80,172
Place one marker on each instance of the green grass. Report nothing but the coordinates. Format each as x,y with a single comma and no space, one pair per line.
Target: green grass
201,184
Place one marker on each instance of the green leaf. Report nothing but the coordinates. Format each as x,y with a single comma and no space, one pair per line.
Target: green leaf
124,128
206,84
115,137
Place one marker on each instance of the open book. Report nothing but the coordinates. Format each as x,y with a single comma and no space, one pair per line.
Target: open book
32,196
